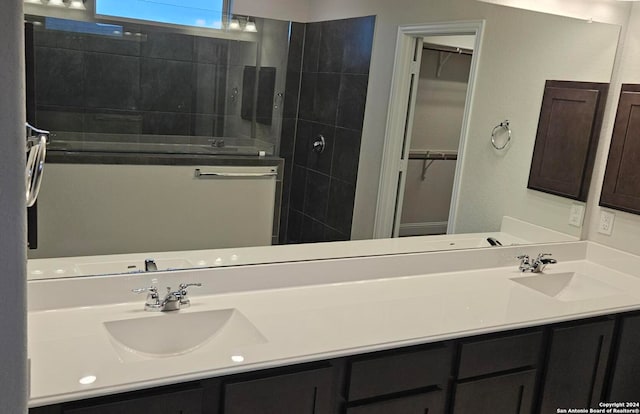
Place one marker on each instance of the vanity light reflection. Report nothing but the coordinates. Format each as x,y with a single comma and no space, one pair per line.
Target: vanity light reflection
237,358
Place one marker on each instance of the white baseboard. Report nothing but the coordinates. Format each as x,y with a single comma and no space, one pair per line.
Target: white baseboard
423,229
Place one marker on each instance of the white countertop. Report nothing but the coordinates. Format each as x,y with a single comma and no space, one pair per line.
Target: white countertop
513,232
307,323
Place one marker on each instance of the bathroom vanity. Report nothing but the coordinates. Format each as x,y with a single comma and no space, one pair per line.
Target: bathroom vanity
441,332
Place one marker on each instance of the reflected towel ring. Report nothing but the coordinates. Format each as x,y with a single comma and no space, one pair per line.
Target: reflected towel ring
503,125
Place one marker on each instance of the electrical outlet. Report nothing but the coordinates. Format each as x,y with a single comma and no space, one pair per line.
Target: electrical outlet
576,216
606,222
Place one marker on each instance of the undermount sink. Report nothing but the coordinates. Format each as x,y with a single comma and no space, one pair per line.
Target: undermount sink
567,287
175,333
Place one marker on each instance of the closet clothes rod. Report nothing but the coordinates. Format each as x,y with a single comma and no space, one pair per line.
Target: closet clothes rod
433,155
449,49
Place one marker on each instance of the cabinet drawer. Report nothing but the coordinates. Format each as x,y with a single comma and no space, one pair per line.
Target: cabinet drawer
432,403
403,371
303,392
499,354
177,402
504,394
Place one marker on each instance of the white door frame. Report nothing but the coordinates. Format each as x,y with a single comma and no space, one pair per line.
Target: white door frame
394,161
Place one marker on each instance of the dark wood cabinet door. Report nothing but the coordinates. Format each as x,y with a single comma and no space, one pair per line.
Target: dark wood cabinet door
306,392
180,402
577,365
504,394
621,188
399,371
428,403
567,138
625,375
494,355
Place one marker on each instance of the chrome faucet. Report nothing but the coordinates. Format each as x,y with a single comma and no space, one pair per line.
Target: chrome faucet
536,265
172,301
150,265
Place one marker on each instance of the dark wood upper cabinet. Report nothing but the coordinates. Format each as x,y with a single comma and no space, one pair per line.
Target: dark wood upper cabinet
567,138
621,188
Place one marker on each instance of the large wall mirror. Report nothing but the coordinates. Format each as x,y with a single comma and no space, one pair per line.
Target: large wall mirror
236,139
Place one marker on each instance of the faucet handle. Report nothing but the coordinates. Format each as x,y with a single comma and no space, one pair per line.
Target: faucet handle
523,257
184,301
543,255
152,296
151,290
183,286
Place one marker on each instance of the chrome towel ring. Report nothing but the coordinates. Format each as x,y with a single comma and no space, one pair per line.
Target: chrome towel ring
502,126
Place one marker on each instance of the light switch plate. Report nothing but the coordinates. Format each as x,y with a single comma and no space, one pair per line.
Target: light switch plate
576,215
606,222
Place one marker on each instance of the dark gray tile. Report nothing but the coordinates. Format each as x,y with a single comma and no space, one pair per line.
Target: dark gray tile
163,123
321,161
294,226
331,235
332,40
316,195
302,148
277,212
307,96
266,94
298,185
358,45
126,46
282,225
60,120
163,45
242,53
296,47
352,100
59,77
112,81
205,88
291,94
346,154
113,122
205,125
166,85
312,230
286,182
211,50
340,206
311,47
287,137
325,103
59,39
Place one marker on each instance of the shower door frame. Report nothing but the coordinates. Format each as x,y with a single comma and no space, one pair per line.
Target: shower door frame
400,120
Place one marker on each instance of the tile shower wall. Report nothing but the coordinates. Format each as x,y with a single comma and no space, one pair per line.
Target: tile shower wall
158,83
327,78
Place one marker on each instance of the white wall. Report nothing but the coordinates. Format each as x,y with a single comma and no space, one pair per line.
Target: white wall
13,306
296,10
626,229
539,47
523,50
606,11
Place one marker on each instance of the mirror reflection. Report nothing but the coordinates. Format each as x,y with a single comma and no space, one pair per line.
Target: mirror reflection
180,144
